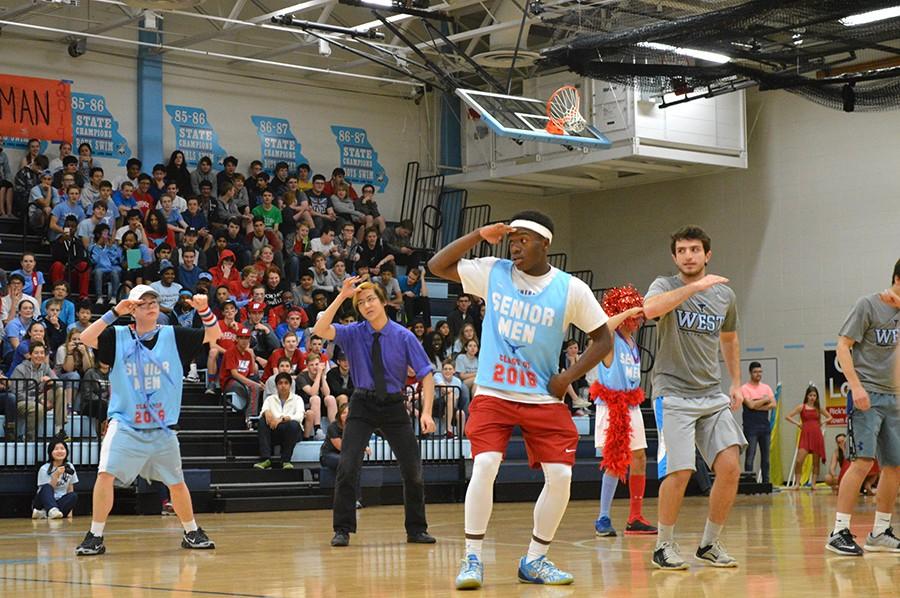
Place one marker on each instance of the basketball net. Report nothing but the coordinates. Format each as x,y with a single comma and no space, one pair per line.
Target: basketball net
564,111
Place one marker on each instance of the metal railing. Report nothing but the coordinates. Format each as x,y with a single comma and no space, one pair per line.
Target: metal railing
36,412
472,218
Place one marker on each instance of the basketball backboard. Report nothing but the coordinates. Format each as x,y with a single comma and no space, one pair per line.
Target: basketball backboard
525,119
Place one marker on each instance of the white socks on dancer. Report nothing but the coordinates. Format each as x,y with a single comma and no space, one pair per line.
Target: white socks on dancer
97,528
841,521
882,523
550,506
190,526
710,533
480,498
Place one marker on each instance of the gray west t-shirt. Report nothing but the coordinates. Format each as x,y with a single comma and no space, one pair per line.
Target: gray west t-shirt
875,327
687,358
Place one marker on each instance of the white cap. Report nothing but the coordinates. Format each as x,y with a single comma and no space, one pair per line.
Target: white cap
138,292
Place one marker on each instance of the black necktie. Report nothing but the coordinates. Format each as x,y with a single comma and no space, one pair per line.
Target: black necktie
378,367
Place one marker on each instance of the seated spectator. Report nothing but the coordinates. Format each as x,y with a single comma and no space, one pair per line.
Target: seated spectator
263,339
338,180
839,463
65,150
206,197
142,196
230,328
162,252
33,279
135,258
179,203
177,172
106,258
67,167
293,323
184,313
73,358
345,208
225,272
70,258
436,350
303,181
368,206
226,175
444,329
6,184
318,305
223,208
85,230
91,191
274,288
16,328
194,218
33,401
346,242
265,262
388,283
240,377
125,202
56,330
167,289
93,395
300,258
261,237
317,345
281,423
313,387
132,171
27,177
133,225
278,184
83,315
399,239
418,330
290,350
372,252
191,240
56,479
36,333
461,315
321,275
320,204
204,172
576,393
61,211
260,183
157,231
325,245
268,211
465,335
60,293
303,293
339,381
42,198
241,198
158,186
339,273
466,364
285,366
171,216
294,211
415,295
188,272
14,294
451,397
221,297
240,291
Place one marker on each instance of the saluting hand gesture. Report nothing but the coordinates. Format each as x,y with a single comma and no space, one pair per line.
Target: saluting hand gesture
494,233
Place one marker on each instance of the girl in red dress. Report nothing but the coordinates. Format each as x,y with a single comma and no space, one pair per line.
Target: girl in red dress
811,438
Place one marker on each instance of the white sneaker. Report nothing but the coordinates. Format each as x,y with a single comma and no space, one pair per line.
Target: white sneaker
193,376
884,542
715,555
54,513
112,301
320,434
38,514
100,300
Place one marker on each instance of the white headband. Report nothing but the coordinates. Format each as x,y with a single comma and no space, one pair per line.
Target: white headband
533,226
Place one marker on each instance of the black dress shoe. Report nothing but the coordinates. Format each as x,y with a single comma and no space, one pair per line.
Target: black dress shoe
340,539
420,538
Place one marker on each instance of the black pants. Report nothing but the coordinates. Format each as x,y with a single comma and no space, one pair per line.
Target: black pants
285,434
417,305
364,417
758,436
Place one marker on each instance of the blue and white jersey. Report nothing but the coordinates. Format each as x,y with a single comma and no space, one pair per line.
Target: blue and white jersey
146,384
624,373
526,319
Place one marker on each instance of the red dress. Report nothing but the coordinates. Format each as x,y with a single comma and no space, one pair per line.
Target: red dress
811,438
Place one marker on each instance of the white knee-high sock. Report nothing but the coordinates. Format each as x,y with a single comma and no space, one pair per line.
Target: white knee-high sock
550,507
480,499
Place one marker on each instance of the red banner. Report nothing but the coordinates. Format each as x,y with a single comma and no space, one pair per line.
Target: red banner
32,107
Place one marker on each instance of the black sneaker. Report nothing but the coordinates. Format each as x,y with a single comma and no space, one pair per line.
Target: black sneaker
340,539
90,546
842,542
420,538
197,540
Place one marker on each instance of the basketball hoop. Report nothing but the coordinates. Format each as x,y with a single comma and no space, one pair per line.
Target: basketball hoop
564,111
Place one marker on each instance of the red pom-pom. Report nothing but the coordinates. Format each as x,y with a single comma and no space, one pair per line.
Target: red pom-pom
618,299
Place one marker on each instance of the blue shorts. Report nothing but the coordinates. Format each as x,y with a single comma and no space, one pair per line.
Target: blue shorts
152,454
875,432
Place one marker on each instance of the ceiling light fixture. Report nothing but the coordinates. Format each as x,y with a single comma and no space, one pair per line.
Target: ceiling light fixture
699,54
863,18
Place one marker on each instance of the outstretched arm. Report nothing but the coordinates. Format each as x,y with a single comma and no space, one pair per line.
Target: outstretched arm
444,262
659,305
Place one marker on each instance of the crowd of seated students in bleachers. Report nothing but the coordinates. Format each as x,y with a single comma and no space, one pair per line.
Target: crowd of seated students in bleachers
271,252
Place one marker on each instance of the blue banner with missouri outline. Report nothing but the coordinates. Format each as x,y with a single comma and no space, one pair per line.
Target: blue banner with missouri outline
194,135
358,158
94,124
277,143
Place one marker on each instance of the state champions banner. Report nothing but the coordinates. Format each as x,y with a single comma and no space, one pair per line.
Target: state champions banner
34,107
194,135
277,143
836,390
358,158
95,125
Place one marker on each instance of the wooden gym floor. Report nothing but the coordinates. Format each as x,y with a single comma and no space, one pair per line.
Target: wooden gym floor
778,540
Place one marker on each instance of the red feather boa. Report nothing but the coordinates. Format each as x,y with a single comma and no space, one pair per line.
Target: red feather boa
617,448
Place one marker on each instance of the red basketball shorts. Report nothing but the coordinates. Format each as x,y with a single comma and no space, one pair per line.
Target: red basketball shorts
549,432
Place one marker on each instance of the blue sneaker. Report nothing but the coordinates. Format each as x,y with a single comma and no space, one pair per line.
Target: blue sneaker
540,570
471,573
603,528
